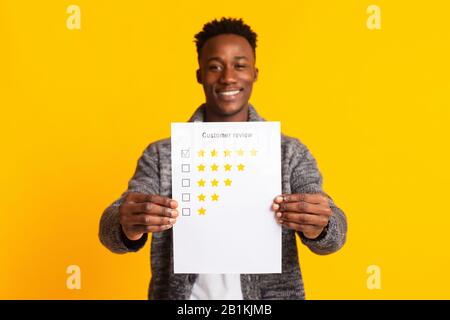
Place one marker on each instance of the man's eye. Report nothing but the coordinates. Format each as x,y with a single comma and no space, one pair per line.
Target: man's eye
214,68
241,66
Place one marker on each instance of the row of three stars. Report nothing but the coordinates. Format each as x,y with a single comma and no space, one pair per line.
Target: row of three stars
226,152
214,182
215,167
202,197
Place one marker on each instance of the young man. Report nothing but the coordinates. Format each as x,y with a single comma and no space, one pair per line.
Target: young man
226,56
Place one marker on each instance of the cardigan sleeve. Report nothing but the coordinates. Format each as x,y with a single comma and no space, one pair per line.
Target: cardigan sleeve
306,178
145,180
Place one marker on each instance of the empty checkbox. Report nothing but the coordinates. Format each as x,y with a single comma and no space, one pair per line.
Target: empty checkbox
186,197
186,211
185,168
185,182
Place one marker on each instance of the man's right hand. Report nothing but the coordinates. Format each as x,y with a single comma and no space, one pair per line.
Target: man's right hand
141,213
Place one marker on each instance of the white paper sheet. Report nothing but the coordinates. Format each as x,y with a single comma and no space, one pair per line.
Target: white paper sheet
225,176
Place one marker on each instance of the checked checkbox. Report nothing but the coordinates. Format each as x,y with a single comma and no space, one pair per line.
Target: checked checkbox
185,153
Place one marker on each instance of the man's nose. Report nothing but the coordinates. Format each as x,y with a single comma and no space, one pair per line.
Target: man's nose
228,75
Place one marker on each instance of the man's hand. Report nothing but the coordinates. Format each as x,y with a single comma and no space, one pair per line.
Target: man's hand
141,213
306,213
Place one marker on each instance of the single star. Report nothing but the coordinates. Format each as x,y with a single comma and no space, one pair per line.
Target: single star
201,183
227,153
201,197
213,153
241,167
240,152
201,153
214,183
228,182
253,152
201,211
227,167
214,167
215,197
201,167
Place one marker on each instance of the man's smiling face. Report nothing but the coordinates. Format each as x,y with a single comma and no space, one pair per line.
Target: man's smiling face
227,72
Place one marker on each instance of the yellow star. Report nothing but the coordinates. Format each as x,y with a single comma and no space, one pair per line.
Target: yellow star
201,153
214,167
214,183
201,211
215,197
240,152
253,152
201,197
227,167
201,183
228,182
213,153
227,153
241,167
201,167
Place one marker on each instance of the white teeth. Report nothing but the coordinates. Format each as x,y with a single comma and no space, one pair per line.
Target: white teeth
229,93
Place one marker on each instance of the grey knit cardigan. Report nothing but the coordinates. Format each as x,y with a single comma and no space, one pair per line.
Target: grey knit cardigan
153,175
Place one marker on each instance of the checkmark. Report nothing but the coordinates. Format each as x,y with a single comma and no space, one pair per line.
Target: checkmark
185,153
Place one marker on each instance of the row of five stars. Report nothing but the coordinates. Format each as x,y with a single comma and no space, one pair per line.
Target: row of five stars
215,167
226,153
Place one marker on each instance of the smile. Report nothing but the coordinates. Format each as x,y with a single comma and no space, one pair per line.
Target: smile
229,93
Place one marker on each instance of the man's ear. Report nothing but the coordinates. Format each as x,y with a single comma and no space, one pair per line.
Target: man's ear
199,78
256,74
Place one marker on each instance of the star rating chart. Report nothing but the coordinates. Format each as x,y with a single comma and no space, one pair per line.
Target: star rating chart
214,168
225,176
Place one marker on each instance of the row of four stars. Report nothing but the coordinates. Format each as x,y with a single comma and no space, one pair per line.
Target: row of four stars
215,167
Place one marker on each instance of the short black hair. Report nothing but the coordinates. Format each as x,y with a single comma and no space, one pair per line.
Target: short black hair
225,26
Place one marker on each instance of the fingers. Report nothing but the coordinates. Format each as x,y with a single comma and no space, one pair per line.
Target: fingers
149,208
303,206
302,218
157,199
142,213
150,204
307,213
150,220
146,228
305,228
302,202
140,223
314,198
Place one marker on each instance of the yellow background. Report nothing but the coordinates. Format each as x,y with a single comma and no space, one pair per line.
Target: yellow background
78,107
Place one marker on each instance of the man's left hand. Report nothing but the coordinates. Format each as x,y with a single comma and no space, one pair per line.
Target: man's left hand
306,213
